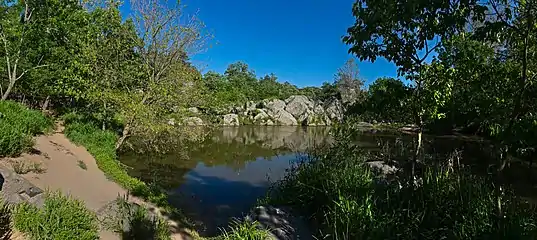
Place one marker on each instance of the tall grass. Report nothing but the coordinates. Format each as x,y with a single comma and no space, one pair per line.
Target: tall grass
338,191
61,218
17,126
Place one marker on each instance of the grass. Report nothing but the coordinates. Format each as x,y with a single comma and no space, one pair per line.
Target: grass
61,218
6,226
337,190
17,126
244,230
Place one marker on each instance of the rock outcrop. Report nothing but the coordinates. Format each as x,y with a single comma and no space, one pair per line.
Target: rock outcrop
281,224
293,111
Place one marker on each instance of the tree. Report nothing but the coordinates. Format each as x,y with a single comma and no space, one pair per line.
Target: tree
16,24
349,82
165,43
407,33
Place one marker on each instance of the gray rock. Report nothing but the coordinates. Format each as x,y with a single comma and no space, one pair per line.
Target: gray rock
193,121
298,105
282,117
15,189
251,106
269,123
335,110
231,120
261,117
171,121
194,110
274,105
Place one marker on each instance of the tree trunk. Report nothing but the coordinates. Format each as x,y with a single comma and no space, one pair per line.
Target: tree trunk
45,104
124,135
8,89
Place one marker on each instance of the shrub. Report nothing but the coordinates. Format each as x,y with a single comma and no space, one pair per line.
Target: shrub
61,217
6,228
26,120
17,126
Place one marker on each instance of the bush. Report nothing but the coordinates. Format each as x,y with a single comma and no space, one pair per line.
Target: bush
17,126
61,217
345,201
26,120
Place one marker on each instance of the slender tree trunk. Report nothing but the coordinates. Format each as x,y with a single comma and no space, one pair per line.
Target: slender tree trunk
45,104
9,88
125,133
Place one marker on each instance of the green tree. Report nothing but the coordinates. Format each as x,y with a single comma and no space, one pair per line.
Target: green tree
409,33
167,78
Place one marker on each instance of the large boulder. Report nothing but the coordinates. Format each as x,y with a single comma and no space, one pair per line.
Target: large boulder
335,110
231,120
298,105
273,105
193,121
261,118
282,117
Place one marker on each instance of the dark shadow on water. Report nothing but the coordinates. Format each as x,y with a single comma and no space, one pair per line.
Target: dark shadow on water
214,201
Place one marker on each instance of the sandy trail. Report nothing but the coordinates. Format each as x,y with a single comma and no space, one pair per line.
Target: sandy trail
63,162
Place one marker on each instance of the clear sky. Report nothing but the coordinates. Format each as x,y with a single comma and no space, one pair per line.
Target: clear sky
298,40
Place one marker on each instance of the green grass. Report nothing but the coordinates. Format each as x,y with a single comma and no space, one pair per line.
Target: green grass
17,126
340,194
6,225
244,230
61,218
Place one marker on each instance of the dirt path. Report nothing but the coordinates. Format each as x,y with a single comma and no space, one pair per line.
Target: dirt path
72,170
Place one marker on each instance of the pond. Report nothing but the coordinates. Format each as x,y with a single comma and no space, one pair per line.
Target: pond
223,176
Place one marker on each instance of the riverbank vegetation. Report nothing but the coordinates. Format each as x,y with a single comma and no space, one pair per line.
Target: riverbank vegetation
344,198
471,67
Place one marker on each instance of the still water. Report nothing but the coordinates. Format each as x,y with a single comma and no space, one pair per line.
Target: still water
223,176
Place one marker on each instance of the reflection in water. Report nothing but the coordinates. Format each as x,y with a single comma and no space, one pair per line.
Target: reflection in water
223,176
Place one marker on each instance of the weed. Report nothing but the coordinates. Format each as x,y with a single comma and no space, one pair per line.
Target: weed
245,230
61,218
82,165
6,227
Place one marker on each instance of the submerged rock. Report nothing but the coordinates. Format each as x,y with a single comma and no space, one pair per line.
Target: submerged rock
281,223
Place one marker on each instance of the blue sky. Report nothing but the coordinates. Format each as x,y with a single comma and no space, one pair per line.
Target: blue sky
298,40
